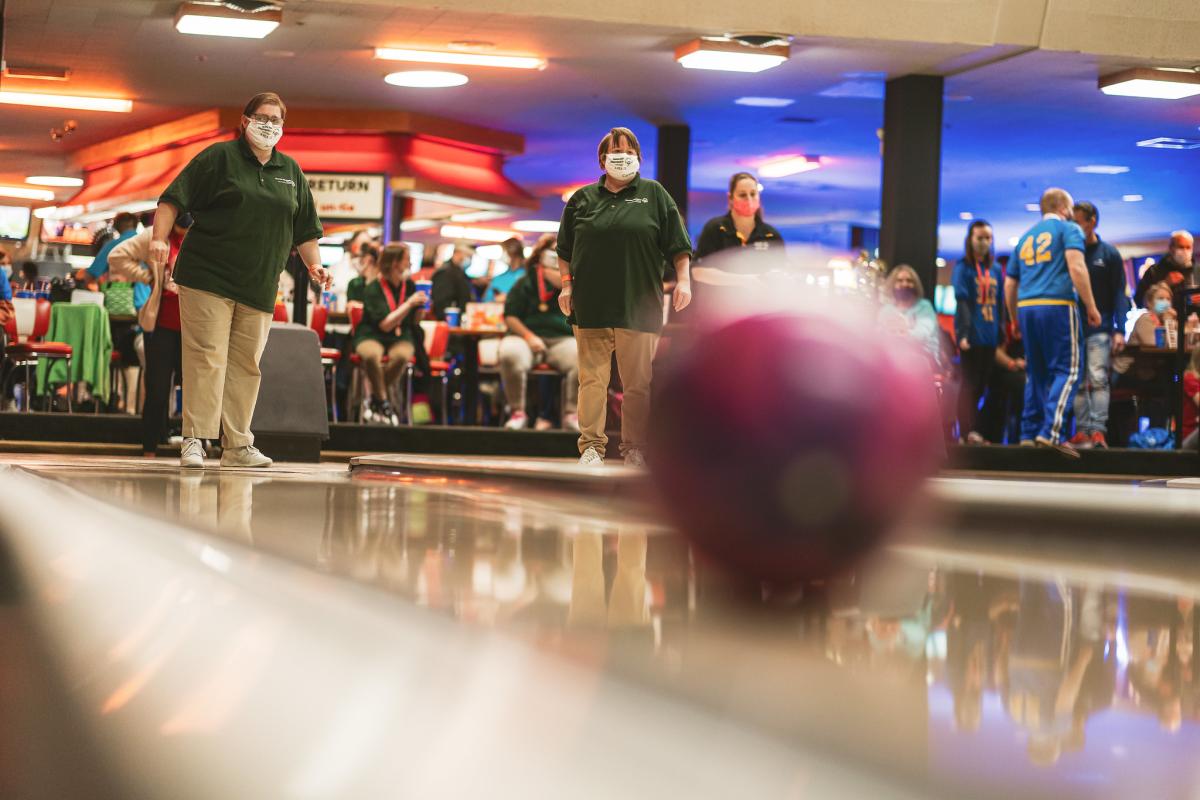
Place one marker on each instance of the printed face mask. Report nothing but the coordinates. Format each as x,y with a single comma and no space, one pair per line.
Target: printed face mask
747,206
621,166
263,135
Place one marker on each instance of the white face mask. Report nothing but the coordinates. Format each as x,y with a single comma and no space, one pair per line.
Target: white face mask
550,259
621,166
263,135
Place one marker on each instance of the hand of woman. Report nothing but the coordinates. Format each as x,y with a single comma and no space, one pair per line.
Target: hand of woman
320,276
683,295
418,300
159,253
564,301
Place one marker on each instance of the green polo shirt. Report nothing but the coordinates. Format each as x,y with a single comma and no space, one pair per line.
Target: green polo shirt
375,308
248,217
618,245
522,302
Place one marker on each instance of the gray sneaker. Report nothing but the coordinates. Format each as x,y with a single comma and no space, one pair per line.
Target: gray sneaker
191,456
247,456
634,458
591,458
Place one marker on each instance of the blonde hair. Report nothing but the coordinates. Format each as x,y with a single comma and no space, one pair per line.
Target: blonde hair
1054,199
1161,286
895,273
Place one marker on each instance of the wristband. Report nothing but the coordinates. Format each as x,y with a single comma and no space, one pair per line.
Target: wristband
566,278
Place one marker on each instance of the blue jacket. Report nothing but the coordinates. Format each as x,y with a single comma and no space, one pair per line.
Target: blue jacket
1107,271
979,311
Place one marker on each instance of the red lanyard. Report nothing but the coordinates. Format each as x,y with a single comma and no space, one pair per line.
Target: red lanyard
391,298
543,295
985,280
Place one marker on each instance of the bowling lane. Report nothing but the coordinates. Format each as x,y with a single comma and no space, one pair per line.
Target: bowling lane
963,661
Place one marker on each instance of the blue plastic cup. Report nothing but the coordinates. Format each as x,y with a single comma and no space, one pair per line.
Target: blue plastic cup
453,316
427,288
1160,337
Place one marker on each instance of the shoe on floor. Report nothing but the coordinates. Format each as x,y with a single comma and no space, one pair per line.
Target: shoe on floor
542,425
1027,443
386,413
1081,441
571,422
191,456
248,456
1098,441
975,437
634,458
591,458
1063,448
517,422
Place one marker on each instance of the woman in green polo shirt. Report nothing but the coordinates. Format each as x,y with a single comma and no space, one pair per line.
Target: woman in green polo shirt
389,327
614,240
251,205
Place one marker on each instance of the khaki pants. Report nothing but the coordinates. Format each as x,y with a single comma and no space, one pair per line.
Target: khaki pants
517,358
222,343
635,354
371,352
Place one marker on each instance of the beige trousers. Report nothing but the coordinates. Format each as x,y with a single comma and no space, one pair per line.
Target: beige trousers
222,343
371,352
635,354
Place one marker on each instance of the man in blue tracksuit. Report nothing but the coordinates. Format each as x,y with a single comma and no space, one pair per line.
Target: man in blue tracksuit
1047,281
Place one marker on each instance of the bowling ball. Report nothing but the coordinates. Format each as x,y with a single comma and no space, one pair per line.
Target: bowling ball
786,445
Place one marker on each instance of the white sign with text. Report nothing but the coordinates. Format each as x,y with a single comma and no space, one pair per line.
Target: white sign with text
346,195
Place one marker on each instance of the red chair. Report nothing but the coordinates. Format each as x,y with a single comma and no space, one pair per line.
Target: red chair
330,356
357,394
436,344
28,325
281,313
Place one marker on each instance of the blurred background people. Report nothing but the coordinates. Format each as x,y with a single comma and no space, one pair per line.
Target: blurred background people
1191,401
451,286
1175,269
1000,419
124,227
514,256
367,262
977,323
389,327
906,312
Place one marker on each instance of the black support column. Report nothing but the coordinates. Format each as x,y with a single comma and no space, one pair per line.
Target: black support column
674,162
912,174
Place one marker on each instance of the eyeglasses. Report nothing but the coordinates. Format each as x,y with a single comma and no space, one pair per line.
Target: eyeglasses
263,118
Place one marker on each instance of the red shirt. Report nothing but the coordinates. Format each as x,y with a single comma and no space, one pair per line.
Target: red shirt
1191,388
168,308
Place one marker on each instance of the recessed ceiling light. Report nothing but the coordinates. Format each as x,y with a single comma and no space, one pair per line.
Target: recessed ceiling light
1033,207
788,165
966,215
727,55
66,101
1132,198
1101,169
425,79
201,19
461,59
475,234
1153,83
764,102
1168,143
53,180
36,73
26,194
536,225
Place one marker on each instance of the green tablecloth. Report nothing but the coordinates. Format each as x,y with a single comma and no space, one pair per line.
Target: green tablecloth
86,329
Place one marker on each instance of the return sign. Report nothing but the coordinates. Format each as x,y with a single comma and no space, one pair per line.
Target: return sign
347,195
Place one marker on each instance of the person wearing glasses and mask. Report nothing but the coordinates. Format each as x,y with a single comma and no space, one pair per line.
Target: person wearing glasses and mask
615,239
251,205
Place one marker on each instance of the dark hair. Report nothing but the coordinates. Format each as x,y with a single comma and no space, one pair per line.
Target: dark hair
516,251
547,242
968,251
264,98
1089,210
124,222
742,176
613,135
29,270
392,255
371,249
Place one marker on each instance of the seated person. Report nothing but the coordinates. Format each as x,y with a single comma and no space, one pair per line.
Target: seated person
1147,376
908,313
391,311
368,265
538,332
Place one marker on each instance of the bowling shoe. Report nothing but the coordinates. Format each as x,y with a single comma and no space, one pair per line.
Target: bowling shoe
248,456
591,458
1063,448
192,454
517,422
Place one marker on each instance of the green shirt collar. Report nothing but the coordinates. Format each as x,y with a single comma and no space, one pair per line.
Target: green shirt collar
274,161
633,184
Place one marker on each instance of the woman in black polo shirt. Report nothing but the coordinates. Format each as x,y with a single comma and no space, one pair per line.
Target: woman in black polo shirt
614,240
741,227
389,327
251,206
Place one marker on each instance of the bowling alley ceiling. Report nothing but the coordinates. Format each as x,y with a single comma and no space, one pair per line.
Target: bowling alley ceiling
1029,119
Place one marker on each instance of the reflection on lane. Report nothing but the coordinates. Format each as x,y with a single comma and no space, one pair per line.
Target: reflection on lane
995,684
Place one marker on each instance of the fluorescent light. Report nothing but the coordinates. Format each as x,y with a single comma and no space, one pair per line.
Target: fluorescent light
416,224
462,59
1168,143
1013,241
66,101
475,234
36,73
478,216
730,56
966,215
425,79
1033,207
490,252
26,194
45,211
1152,83
53,180
764,102
536,225
1132,198
1101,169
199,19
788,165
941,262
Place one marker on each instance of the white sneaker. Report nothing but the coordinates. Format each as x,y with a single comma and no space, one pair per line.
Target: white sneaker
570,422
517,422
191,456
634,458
247,456
591,458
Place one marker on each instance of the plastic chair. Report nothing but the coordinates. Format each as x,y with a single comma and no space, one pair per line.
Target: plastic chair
357,394
281,313
318,316
26,328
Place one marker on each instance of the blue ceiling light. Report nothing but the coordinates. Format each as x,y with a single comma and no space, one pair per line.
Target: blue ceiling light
1168,143
764,102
